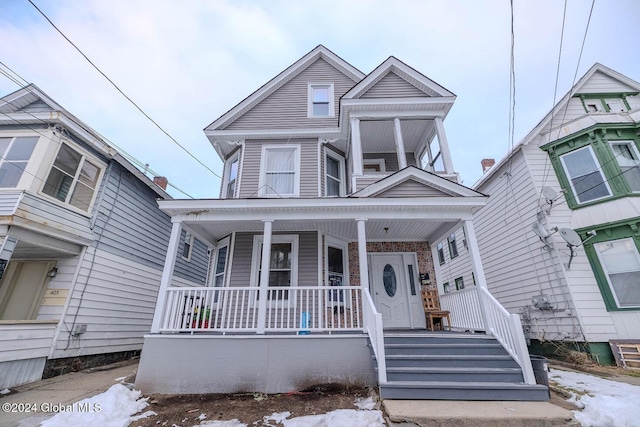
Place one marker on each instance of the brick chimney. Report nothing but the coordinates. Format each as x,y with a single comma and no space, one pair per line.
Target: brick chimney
161,181
487,164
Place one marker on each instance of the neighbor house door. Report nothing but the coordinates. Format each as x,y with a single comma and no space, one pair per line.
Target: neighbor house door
396,290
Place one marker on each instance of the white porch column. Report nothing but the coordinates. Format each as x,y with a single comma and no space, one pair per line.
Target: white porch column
264,275
397,132
362,254
476,266
356,152
167,275
444,145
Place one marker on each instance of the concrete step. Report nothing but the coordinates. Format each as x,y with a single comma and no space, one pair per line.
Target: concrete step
450,361
436,338
475,414
501,375
446,348
452,390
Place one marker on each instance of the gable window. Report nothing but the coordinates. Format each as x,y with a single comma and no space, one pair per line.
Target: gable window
283,264
626,154
73,179
188,246
453,246
620,262
231,177
585,176
14,156
320,103
593,106
441,253
280,171
334,175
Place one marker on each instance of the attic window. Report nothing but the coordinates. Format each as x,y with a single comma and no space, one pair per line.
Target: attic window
594,106
320,100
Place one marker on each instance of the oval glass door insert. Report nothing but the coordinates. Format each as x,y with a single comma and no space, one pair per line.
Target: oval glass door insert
389,280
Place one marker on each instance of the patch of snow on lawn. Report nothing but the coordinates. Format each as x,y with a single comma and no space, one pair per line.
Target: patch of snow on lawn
5,391
367,403
113,408
606,403
339,418
278,417
216,423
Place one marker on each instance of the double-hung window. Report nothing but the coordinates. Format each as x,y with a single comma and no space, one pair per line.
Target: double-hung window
336,269
283,264
453,246
620,262
188,246
280,171
15,153
221,263
441,253
626,155
232,177
334,175
585,176
73,178
320,100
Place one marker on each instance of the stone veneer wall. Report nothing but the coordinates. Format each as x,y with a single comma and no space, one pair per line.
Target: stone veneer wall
422,249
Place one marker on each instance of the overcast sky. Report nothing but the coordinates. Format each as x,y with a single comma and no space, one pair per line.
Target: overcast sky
187,62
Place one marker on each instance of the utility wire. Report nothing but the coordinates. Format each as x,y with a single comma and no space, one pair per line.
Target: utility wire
122,93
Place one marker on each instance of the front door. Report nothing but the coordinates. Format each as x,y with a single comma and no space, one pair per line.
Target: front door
21,289
395,289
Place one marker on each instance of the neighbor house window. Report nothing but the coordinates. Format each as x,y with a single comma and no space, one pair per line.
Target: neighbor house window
15,154
231,177
585,177
620,263
73,178
459,283
453,246
441,253
334,175
626,154
188,246
283,264
320,102
280,171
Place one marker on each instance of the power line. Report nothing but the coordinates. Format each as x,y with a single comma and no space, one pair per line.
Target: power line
122,93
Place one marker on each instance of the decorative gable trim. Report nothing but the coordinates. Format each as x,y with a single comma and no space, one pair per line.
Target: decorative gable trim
402,70
428,179
280,80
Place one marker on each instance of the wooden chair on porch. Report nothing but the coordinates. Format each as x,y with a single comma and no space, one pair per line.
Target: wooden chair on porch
432,313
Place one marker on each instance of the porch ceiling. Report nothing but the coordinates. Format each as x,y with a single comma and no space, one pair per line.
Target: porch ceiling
378,135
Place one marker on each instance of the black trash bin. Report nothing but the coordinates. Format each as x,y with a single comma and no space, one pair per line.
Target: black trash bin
540,367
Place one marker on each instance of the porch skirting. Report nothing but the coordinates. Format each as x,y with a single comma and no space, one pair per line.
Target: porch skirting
191,364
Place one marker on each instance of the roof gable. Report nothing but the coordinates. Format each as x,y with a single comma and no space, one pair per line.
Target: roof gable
281,79
392,69
413,182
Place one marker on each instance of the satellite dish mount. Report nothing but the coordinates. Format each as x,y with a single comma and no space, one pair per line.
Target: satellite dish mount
573,241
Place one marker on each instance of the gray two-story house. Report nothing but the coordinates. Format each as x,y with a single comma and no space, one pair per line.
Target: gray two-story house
83,244
335,182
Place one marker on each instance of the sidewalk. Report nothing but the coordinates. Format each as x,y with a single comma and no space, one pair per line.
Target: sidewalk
61,390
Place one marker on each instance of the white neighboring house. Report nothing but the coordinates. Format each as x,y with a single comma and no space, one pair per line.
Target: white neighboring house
578,169
334,185
82,244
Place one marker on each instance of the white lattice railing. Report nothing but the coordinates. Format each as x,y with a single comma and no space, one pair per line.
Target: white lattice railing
373,327
464,309
507,329
301,309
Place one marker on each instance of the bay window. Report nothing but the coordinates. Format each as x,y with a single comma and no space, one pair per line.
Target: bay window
620,264
585,176
626,155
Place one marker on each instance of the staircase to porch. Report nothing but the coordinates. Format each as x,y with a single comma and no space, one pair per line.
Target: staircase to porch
453,366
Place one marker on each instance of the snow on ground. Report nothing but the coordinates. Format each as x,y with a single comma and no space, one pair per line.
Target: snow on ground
606,403
116,408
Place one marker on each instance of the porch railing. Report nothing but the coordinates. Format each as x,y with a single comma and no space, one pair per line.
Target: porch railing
464,308
376,335
507,329
301,309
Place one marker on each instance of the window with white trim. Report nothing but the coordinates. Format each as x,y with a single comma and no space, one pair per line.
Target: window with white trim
280,171
221,257
283,264
14,156
585,175
441,253
336,269
620,262
453,246
626,154
73,178
334,175
231,177
320,100
188,246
